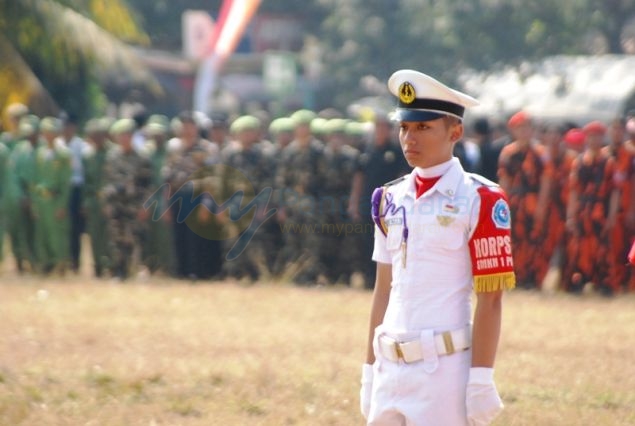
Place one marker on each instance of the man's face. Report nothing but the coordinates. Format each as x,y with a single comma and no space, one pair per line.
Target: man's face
189,131
124,140
523,132
552,138
249,137
284,138
382,131
218,134
49,136
616,132
594,140
14,121
302,131
428,143
70,130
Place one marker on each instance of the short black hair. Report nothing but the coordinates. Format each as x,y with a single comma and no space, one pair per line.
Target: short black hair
482,127
187,117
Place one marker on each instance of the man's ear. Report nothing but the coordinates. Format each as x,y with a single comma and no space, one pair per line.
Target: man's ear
456,132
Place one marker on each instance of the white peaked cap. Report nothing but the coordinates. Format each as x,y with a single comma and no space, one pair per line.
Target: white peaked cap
422,98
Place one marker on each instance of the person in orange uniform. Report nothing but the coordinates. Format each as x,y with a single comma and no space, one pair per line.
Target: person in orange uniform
561,159
441,234
525,175
620,239
591,216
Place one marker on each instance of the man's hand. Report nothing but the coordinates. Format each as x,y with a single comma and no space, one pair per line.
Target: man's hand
365,391
482,400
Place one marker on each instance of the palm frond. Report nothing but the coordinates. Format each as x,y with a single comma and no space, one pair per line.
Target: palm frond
93,42
19,84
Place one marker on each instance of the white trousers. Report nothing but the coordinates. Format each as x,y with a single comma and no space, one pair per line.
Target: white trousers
420,393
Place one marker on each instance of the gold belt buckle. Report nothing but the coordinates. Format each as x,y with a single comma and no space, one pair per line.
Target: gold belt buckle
448,343
398,350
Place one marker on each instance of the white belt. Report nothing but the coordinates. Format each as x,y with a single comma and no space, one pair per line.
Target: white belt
446,343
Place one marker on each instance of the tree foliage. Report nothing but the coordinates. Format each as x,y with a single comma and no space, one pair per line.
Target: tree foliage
376,37
60,45
52,50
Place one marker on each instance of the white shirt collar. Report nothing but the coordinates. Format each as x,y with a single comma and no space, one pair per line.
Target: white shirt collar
435,171
451,173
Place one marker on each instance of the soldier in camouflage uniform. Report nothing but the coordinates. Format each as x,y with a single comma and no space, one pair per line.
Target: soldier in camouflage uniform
281,130
94,161
14,113
338,237
128,178
256,164
355,135
51,194
191,171
157,253
18,195
298,181
318,126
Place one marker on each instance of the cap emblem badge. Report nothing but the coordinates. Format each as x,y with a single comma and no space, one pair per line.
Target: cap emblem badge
407,93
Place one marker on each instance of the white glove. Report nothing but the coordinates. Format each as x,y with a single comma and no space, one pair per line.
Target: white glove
365,391
482,400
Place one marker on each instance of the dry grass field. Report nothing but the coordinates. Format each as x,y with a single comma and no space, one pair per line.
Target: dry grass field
162,352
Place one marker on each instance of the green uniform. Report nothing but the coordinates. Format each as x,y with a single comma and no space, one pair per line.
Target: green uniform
159,243
4,155
51,192
18,203
94,160
10,140
299,178
338,237
256,164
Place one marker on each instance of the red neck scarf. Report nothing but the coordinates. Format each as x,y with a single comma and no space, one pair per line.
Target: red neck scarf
423,184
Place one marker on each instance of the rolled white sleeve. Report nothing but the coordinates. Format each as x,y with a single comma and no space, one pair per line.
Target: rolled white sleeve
380,253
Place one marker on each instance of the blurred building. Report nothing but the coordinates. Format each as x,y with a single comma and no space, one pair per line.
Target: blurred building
578,88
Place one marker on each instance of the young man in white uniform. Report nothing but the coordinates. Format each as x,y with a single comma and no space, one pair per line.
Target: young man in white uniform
441,232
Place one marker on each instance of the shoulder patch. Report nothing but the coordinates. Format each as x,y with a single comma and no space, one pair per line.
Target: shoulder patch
396,181
482,180
501,215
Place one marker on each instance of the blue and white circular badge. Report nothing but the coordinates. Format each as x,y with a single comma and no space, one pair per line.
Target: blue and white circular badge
501,215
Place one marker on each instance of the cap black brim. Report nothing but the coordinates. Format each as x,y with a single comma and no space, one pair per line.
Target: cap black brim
402,114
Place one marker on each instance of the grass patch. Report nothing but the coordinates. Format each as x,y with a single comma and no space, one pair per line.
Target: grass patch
165,352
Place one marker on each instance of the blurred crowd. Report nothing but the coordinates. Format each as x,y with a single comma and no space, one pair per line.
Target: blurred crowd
250,197
196,197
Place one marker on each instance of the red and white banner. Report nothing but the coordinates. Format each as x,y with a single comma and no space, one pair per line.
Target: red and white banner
233,18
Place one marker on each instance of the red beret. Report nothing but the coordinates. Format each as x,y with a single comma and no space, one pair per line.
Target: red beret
519,119
574,138
594,127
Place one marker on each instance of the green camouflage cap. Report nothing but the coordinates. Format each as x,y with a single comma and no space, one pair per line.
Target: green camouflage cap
303,116
17,110
105,123
176,125
92,126
51,124
29,125
318,125
159,119
335,125
354,128
157,124
245,122
281,125
124,125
